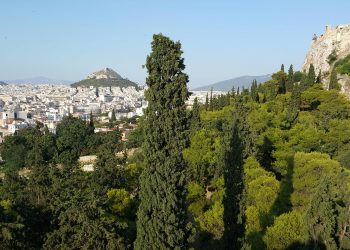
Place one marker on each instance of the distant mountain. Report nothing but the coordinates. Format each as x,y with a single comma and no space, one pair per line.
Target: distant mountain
236,82
38,80
3,83
105,78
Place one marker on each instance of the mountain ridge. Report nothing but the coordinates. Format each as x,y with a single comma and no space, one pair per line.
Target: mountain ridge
241,81
37,80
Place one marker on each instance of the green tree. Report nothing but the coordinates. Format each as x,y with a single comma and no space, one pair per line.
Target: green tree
333,82
72,134
195,118
287,230
319,77
202,155
321,216
311,76
290,80
113,117
162,214
206,105
211,101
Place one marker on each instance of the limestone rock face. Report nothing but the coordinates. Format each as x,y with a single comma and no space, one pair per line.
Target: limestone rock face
334,39
106,73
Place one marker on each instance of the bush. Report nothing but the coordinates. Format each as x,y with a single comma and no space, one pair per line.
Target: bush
343,66
332,57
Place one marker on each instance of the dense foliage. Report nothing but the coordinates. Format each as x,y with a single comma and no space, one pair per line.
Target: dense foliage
161,215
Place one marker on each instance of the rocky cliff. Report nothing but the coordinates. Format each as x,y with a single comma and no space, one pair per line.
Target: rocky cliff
326,50
335,42
106,73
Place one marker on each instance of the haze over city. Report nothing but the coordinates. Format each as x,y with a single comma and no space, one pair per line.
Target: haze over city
66,40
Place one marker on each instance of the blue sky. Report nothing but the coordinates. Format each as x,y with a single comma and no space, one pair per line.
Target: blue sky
68,39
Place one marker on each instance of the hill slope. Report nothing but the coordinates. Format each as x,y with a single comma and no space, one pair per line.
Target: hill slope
236,82
105,78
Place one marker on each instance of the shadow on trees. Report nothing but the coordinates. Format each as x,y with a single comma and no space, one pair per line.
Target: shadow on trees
306,246
233,176
283,203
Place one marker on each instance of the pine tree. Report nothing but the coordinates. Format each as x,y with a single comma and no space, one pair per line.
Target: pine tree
282,67
294,105
333,82
162,212
237,91
289,83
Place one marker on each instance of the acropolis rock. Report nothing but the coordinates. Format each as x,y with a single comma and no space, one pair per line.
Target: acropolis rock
334,39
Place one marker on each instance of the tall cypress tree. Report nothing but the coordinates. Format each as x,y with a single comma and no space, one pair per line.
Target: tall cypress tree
211,104
282,67
289,83
319,77
311,76
113,117
195,119
253,89
162,211
206,105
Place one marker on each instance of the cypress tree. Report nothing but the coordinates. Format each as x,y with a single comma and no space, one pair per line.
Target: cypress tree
319,77
253,89
211,104
333,82
113,117
91,122
282,67
91,125
233,91
195,119
311,76
162,212
282,86
206,102
289,83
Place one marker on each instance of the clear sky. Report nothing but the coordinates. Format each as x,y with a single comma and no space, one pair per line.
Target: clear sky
68,39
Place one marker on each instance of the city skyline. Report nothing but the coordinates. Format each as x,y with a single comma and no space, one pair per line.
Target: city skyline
221,40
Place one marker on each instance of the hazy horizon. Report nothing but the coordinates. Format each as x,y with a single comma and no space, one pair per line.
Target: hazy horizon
68,40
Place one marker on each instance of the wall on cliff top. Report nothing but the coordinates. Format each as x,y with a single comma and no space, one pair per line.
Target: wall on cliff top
334,39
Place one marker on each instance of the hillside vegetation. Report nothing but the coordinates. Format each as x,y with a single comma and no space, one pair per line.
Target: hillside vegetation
123,83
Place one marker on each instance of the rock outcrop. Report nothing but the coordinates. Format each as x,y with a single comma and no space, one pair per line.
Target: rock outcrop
334,40
105,78
106,73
